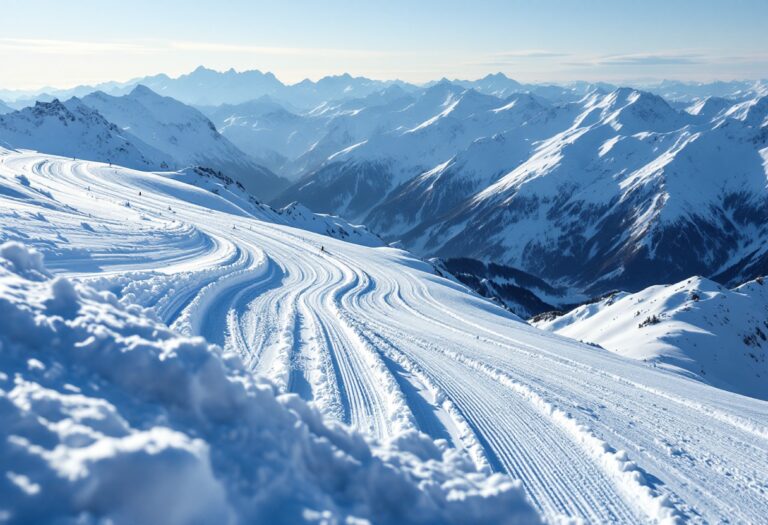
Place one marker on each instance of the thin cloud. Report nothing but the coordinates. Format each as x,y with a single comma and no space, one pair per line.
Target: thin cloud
213,47
661,60
672,58
78,47
513,57
72,47
651,59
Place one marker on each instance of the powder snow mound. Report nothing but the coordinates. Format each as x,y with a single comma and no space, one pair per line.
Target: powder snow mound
26,262
109,416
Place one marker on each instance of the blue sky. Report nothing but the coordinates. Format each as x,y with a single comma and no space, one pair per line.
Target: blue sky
51,42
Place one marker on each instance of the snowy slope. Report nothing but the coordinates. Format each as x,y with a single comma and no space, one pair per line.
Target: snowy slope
184,134
696,327
110,416
375,339
5,108
296,215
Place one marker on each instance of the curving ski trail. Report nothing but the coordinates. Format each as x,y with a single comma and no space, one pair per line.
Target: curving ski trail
378,341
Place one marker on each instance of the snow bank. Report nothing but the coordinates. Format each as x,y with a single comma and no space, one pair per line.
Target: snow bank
108,415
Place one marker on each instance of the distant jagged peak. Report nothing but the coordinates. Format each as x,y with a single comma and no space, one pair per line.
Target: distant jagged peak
445,90
753,112
202,69
343,76
709,107
638,110
204,73
521,101
71,110
496,76
55,106
499,79
624,96
140,90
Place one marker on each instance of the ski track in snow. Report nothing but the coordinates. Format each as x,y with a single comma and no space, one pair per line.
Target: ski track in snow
378,341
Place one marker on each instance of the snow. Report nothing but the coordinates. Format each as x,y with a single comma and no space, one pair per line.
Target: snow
110,407
108,415
547,180
696,328
74,130
5,108
183,135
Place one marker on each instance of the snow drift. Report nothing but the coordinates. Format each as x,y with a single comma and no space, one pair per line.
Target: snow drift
109,415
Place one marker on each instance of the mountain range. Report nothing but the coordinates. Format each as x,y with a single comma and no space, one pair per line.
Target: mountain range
615,190
205,86
586,188
141,130
348,245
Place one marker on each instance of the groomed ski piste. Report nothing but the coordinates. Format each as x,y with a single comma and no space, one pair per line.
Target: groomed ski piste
373,337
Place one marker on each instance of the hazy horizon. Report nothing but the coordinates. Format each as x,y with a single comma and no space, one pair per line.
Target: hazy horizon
629,82
551,41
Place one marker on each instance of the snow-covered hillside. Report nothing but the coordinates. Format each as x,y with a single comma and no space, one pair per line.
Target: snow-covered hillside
110,416
184,135
695,327
296,215
372,336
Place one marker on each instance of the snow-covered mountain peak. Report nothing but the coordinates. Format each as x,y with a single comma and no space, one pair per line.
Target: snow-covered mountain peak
753,112
709,107
184,134
496,84
55,107
142,91
443,93
524,101
73,129
630,110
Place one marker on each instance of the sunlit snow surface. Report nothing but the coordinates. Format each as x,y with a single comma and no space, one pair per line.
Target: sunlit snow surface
370,335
